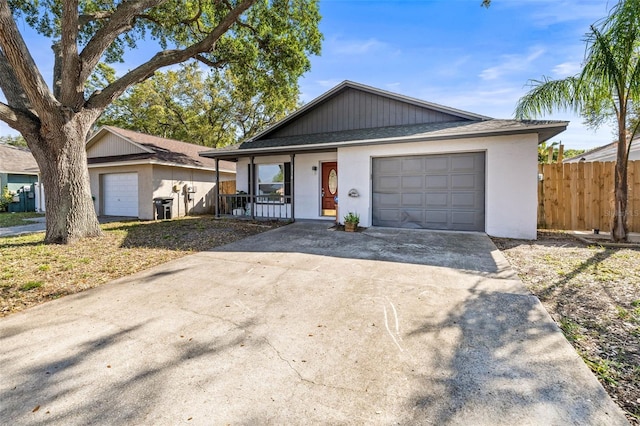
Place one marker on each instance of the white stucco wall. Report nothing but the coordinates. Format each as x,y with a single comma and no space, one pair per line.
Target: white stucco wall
511,174
202,201
158,181
511,179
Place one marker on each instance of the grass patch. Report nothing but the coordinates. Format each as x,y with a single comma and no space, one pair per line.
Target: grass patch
31,285
53,271
17,219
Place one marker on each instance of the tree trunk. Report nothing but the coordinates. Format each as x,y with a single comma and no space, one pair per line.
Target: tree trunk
619,230
59,150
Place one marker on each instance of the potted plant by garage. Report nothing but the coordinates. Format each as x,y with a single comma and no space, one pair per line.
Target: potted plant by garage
351,221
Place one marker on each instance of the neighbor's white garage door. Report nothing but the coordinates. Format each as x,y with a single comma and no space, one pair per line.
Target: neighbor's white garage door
120,194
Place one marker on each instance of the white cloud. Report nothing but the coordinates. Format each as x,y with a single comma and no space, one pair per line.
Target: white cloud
555,11
355,47
511,63
566,69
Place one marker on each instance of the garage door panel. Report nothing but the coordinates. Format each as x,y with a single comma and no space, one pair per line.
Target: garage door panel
436,218
388,183
387,165
467,200
463,162
412,218
467,218
412,182
464,181
387,200
436,182
450,194
412,199
410,165
437,199
436,164
387,216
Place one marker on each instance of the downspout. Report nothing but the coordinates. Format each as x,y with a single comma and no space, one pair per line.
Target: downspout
291,183
217,191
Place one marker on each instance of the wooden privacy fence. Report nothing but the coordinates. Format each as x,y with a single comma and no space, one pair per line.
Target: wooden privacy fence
579,196
227,187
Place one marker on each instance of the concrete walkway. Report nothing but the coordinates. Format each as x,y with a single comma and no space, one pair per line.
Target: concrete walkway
40,225
302,325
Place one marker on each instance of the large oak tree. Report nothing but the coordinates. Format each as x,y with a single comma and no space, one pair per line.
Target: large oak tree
265,37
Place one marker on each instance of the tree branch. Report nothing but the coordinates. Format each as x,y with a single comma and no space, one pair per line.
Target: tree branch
209,63
86,18
101,99
69,94
10,86
24,122
21,62
121,20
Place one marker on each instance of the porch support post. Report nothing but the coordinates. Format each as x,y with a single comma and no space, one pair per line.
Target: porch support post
217,192
252,189
291,184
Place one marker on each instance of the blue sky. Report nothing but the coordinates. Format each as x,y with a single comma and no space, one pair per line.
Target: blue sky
451,52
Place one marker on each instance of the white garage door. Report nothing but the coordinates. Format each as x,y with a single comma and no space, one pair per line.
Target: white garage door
120,194
444,191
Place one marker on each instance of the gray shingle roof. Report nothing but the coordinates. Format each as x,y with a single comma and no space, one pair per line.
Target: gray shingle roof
162,149
17,160
427,131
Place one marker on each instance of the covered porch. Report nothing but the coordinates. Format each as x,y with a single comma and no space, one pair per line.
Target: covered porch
280,185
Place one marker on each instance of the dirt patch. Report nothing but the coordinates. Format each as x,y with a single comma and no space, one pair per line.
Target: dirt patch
593,294
32,272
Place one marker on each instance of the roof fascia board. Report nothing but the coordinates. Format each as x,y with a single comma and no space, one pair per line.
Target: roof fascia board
382,141
156,163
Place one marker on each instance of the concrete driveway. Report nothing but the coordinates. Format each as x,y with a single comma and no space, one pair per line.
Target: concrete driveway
303,325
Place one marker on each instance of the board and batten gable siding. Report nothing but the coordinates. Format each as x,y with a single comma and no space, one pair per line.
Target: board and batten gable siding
356,109
111,145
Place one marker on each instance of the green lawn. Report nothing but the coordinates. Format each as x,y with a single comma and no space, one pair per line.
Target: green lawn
17,219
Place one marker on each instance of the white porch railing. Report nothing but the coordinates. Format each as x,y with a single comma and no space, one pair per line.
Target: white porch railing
258,206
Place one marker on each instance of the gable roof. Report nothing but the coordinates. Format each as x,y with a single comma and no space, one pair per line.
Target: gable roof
14,159
153,149
419,121
431,111
606,152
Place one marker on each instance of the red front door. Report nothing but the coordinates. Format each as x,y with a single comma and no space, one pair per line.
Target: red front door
329,188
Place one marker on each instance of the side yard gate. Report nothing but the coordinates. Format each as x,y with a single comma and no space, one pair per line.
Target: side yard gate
579,196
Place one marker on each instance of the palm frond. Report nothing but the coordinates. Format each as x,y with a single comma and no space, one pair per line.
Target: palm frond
547,96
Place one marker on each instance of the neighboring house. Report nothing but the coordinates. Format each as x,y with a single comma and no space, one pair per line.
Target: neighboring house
607,152
18,168
19,173
397,162
129,169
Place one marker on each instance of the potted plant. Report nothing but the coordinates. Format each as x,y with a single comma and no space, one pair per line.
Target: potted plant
351,221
